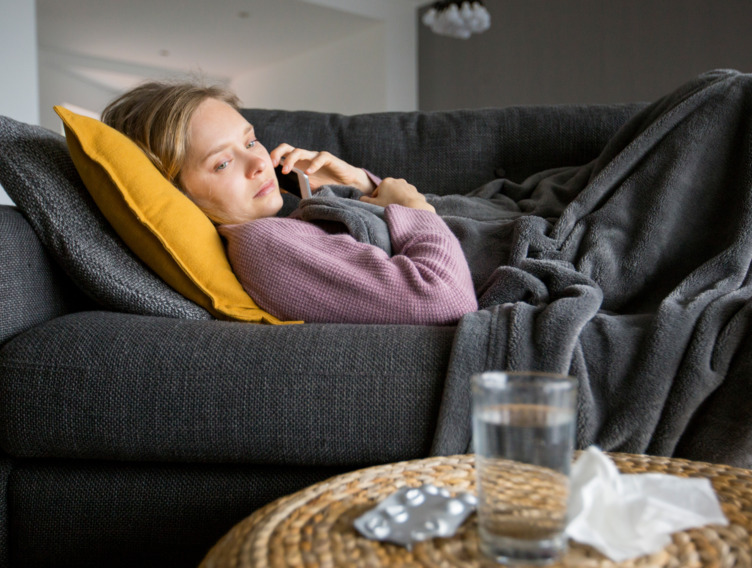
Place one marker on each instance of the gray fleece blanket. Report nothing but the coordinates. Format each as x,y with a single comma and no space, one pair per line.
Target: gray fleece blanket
629,273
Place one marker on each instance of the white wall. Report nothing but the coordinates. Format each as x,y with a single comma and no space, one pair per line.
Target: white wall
87,82
19,95
59,86
400,45
347,76
370,71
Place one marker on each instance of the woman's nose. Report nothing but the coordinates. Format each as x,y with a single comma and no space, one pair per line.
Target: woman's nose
254,166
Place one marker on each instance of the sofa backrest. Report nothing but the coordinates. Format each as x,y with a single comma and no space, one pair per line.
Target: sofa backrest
451,151
439,152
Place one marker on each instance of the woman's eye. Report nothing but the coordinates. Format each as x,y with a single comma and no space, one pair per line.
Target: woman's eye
251,144
222,166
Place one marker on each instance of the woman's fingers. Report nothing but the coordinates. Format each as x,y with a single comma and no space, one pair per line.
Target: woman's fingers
320,160
399,192
291,159
277,155
326,167
288,156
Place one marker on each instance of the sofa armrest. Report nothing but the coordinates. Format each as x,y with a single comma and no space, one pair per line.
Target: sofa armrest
32,287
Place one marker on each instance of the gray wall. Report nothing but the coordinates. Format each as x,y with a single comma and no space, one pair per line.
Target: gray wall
583,51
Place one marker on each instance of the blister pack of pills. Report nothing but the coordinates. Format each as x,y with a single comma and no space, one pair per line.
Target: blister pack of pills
414,514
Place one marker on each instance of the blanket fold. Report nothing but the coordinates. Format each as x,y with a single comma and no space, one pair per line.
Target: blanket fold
340,205
629,273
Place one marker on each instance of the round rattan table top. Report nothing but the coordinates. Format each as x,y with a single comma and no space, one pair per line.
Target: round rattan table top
314,527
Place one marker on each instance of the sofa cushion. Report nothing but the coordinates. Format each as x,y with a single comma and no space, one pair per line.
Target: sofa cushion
37,172
33,289
157,221
102,385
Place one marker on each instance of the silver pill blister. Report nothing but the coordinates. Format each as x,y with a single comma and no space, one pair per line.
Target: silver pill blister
414,514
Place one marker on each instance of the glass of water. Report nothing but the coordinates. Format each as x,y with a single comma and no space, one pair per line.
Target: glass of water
523,433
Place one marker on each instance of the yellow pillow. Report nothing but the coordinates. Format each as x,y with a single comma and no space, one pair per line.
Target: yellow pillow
160,224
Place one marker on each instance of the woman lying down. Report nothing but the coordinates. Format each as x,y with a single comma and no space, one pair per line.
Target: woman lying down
292,268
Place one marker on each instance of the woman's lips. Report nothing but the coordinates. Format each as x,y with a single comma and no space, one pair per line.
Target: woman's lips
266,189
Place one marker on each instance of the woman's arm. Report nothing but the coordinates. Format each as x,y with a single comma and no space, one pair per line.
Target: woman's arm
296,270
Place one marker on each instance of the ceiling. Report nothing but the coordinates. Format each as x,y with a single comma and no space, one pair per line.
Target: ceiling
115,42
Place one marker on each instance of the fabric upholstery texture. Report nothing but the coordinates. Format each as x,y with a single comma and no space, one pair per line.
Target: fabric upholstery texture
125,515
158,222
449,152
138,441
38,174
5,469
631,273
33,289
221,391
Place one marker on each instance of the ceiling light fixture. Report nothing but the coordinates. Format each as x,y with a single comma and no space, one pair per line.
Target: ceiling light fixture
457,18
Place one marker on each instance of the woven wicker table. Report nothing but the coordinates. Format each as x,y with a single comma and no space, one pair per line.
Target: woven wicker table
314,527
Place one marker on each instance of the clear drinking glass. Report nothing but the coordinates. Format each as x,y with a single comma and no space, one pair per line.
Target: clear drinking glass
523,433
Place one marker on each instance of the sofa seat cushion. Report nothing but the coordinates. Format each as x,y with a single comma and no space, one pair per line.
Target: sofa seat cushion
102,385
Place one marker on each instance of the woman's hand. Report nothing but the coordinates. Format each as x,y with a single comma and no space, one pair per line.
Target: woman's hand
398,192
322,168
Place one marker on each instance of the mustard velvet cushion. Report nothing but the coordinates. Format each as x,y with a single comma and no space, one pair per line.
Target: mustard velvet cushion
161,225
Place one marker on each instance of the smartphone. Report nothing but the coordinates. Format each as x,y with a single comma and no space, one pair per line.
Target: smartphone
304,186
303,183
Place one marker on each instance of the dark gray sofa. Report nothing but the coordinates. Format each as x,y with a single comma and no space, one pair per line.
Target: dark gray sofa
135,429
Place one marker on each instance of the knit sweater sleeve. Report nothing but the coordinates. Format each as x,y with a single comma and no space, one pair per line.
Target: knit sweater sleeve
296,270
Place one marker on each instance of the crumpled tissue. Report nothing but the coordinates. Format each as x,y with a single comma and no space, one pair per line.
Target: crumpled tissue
627,515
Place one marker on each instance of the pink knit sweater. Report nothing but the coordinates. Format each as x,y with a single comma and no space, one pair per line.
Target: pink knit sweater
296,270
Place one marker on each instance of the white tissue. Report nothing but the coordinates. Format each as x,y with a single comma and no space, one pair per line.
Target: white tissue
628,515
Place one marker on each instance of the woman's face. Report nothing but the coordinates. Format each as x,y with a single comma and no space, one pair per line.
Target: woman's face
227,172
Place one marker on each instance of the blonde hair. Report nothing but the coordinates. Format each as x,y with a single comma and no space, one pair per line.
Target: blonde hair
156,116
